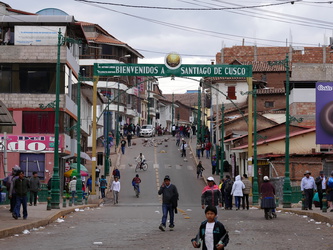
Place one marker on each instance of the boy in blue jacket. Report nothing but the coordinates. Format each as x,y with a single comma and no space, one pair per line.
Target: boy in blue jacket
211,233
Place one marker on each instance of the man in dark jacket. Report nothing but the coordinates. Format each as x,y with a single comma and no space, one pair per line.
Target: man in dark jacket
21,187
170,195
321,187
227,186
34,188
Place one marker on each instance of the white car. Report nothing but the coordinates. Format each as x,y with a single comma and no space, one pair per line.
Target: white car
147,130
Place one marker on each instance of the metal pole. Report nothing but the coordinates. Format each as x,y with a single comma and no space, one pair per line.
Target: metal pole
94,135
255,179
107,153
173,112
199,116
148,118
55,183
287,185
78,148
222,142
117,121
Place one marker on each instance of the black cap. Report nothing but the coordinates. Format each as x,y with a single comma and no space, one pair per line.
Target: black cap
167,177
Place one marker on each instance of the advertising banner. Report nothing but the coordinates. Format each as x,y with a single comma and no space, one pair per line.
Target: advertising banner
324,113
37,35
31,143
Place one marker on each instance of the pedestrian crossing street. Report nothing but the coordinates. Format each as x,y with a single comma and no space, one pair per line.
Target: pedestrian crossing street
158,166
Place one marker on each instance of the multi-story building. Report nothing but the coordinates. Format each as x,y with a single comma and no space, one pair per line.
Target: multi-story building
28,60
28,72
122,92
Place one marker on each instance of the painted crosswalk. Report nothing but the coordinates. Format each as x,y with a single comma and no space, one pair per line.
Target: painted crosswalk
157,166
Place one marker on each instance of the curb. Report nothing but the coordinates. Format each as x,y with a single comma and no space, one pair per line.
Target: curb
43,222
312,215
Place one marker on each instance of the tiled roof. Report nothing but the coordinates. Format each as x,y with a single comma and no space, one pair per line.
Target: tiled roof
104,39
261,66
189,99
257,66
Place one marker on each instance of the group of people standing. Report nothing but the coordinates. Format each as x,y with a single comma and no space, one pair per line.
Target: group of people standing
18,186
321,184
202,147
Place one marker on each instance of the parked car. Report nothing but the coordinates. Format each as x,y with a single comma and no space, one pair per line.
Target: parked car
147,130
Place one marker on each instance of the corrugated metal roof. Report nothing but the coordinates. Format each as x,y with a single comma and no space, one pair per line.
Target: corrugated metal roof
6,118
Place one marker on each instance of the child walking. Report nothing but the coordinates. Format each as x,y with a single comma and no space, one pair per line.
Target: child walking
211,233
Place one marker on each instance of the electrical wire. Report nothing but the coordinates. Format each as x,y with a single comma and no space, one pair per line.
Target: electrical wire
187,9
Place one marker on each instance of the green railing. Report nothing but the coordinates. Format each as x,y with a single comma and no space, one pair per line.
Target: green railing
42,194
296,194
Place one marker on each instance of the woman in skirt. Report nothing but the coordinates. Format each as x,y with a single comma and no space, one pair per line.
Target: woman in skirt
267,192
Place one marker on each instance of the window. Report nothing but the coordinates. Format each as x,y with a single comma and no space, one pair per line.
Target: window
38,122
232,92
33,162
5,79
269,104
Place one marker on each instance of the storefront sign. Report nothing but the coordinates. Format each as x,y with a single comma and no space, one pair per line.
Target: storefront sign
34,143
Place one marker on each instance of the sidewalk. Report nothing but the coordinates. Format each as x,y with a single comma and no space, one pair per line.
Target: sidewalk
315,214
39,216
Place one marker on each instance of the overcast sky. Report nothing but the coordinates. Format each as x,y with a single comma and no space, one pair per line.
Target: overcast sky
173,25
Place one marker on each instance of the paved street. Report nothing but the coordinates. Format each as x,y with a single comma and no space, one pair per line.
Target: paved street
133,223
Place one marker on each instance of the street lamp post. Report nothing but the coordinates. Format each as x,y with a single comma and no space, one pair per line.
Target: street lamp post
117,118
287,184
148,118
55,183
118,100
78,148
255,187
199,116
222,142
107,153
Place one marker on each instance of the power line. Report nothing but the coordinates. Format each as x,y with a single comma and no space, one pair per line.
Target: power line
187,9
195,30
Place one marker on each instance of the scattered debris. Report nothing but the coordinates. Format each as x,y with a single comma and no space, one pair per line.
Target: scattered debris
59,220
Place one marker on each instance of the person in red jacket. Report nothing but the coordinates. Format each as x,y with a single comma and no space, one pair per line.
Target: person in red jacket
207,148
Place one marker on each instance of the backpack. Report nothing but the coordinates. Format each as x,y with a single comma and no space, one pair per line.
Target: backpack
330,182
103,183
228,187
8,181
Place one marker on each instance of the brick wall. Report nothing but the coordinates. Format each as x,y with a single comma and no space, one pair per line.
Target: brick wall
252,53
298,166
304,110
